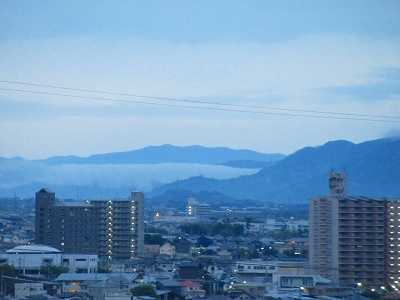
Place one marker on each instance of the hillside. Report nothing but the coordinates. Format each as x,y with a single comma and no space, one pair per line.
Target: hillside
115,174
169,154
372,168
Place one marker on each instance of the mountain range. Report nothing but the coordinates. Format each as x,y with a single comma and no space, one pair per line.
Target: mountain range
170,154
115,174
219,174
372,169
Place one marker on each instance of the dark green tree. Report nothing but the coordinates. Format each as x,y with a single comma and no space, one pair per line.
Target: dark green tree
144,290
8,270
154,239
53,271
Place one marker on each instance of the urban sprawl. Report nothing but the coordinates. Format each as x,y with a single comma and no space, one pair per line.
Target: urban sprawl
347,247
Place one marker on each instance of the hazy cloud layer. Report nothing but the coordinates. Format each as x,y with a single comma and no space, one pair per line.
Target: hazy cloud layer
384,84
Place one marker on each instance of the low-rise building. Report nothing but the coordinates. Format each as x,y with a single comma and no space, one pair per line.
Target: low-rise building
31,259
290,281
167,249
151,250
192,289
255,266
76,283
28,289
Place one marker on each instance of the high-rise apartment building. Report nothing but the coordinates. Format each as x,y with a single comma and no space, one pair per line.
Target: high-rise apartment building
112,229
355,240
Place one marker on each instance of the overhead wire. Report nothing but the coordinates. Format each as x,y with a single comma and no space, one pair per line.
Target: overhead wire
125,101
202,102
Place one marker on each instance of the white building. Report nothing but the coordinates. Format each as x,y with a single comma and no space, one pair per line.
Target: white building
283,281
296,225
198,209
167,249
255,266
22,290
29,259
80,263
291,224
262,267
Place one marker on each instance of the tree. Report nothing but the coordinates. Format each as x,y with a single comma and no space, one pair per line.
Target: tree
224,229
270,251
53,271
103,269
204,242
248,221
152,229
8,270
7,286
195,228
154,239
144,290
242,253
284,234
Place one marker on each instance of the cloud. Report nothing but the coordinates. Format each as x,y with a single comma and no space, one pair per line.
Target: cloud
384,84
263,72
289,74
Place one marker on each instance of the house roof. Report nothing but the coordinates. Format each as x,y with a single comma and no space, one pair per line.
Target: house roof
169,283
96,276
33,249
189,284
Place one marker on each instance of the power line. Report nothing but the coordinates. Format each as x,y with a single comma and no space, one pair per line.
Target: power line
199,101
125,101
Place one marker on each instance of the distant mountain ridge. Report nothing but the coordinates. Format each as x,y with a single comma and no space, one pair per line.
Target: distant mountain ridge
248,164
115,174
169,154
372,169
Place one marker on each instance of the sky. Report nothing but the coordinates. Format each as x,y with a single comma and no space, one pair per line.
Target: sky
337,56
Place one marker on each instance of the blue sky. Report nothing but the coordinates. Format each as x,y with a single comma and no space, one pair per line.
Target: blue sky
322,55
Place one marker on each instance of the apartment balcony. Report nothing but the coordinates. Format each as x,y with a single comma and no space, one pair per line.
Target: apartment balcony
361,206
378,254
368,222
363,235
361,268
365,261
362,248
349,242
362,230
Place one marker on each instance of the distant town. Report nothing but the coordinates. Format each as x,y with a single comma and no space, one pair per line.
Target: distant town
339,247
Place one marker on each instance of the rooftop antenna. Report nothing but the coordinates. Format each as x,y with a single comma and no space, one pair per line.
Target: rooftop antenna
77,193
337,183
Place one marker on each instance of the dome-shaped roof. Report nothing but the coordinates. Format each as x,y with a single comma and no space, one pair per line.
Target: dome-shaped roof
31,249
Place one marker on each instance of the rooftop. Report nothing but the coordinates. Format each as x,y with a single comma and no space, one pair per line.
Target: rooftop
72,203
96,277
32,249
45,190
